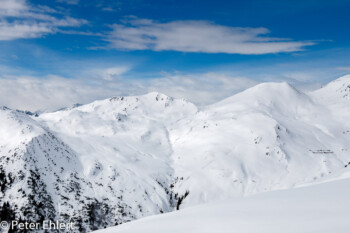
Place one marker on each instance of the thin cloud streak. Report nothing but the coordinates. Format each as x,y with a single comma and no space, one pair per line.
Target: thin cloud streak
344,68
197,36
70,2
20,20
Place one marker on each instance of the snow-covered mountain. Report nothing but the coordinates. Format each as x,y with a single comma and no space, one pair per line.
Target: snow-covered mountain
239,145
120,159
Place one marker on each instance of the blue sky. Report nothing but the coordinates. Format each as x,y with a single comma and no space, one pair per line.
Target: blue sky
56,53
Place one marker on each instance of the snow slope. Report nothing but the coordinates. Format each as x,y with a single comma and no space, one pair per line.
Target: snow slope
38,172
268,137
322,208
336,97
124,158
97,171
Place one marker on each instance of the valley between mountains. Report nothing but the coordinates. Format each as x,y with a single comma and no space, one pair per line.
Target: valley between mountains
120,159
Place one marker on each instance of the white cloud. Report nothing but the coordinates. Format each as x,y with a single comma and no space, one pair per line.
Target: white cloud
70,2
18,19
12,7
10,31
111,73
344,68
31,93
301,77
197,36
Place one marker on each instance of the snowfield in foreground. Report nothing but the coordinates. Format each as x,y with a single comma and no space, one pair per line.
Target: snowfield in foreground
322,208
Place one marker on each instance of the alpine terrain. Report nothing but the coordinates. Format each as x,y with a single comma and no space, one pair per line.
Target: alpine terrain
116,160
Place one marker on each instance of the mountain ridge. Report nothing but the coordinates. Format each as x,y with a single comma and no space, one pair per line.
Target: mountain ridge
125,158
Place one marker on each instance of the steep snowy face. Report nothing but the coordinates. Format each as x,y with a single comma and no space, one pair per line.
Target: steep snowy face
41,177
38,172
123,145
269,137
131,132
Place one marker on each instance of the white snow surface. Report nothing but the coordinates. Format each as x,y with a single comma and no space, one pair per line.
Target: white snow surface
322,208
271,136
145,155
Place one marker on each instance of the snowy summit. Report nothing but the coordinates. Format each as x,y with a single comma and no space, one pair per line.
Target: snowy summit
124,158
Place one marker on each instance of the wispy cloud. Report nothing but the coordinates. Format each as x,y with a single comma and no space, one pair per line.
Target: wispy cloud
19,19
197,36
32,93
100,82
12,7
344,68
109,74
70,2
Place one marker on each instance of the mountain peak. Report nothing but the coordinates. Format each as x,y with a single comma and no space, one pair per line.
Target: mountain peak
151,96
271,89
343,78
157,96
274,86
340,83
335,91
270,93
